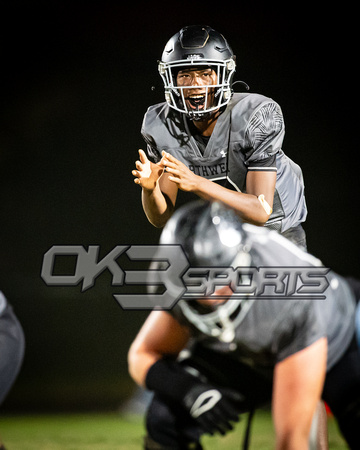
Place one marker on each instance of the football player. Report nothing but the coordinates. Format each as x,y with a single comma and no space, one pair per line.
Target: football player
12,348
216,144
210,359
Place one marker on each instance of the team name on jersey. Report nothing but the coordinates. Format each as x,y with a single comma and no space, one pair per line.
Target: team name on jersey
208,171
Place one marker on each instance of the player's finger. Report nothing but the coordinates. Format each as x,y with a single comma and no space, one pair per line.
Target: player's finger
169,157
161,162
168,163
175,179
172,170
139,165
143,157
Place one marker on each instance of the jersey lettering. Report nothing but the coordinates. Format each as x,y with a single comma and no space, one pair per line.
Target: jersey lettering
206,171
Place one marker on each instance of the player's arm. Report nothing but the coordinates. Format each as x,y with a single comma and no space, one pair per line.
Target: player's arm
159,203
298,384
248,205
158,193
161,335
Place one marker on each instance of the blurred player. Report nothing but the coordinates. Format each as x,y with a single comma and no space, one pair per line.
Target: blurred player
12,347
209,360
216,144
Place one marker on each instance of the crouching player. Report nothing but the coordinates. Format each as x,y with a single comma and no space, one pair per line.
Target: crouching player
210,360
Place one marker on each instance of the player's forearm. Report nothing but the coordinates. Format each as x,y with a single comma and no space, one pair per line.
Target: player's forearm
156,207
248,206
139,364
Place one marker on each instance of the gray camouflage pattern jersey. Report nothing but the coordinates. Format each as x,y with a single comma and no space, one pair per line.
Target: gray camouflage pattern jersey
273,329
248,136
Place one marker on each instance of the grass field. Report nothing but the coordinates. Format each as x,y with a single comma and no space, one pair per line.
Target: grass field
110,431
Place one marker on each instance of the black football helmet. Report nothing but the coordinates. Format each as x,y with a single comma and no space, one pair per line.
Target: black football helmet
197,47
211,235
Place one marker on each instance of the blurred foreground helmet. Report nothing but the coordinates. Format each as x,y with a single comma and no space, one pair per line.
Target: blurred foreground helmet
197,47
211,235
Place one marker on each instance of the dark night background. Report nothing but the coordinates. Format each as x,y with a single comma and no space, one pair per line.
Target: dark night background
75,82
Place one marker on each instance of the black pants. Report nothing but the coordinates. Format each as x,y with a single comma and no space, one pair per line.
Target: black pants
170,425
342,387
342,394
296,235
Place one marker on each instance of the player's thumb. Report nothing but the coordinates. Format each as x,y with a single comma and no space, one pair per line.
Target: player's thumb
234,396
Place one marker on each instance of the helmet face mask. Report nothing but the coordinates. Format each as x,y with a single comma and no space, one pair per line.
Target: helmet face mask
219,315
197,47
222,321
211,235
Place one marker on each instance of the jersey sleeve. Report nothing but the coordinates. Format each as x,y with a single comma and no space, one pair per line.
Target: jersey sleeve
264,136
303,326
151,149
153,154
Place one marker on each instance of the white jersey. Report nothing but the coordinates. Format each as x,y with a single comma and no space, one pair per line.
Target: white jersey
248,136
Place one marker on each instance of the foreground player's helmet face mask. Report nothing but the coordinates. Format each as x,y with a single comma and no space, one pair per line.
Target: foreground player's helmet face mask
211,236
197,48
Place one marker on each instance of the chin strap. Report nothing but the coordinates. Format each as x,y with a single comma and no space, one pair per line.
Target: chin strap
247,87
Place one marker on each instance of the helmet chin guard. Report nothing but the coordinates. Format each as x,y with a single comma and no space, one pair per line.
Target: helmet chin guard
197,47
222,321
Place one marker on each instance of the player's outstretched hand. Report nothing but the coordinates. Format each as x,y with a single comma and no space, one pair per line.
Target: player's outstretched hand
146,173
179,173
215,409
